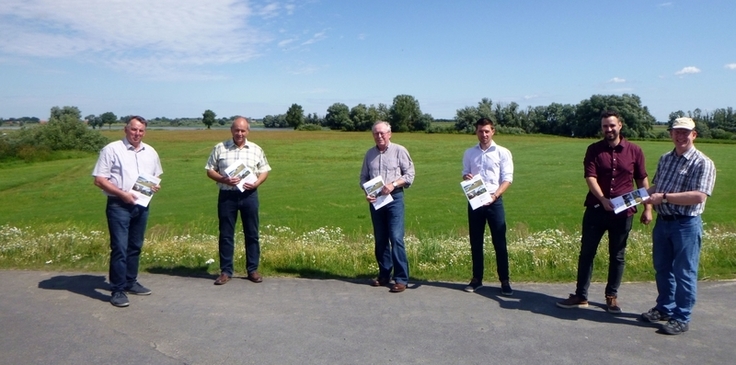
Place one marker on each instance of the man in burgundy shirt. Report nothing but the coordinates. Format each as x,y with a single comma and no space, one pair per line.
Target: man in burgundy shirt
611,166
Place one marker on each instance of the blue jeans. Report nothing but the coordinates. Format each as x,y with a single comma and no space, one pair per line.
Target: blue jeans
676,253
127,226
495,216
229,203
596,221
388,231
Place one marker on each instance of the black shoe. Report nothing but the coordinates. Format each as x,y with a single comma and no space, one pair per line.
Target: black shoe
675,327
138,289
119,299
506,289
474,285
654,315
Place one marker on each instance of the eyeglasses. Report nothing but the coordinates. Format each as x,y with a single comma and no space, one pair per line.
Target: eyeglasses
381,133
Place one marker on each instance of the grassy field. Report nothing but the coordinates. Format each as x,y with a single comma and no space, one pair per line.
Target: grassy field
313,195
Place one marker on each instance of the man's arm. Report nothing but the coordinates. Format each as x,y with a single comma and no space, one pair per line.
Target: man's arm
646,215
594,188
108,187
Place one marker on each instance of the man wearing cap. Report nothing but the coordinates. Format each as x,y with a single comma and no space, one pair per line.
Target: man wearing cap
611,166
684,180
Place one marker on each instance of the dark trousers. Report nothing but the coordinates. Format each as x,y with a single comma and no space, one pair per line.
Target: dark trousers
127,226
495,216
229,203
596,221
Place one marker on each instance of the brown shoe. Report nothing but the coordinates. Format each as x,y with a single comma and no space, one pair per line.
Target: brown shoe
612,305
574,301
255,277
398,288
222,279
380,282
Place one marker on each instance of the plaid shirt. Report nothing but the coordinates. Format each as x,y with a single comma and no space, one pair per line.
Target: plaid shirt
226,153
693,171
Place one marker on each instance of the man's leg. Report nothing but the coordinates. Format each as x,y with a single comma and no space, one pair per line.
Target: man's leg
227,213
118,221
248,206
395,217
593,229
136,234
381,236
496,217
618,235
662,258
476,230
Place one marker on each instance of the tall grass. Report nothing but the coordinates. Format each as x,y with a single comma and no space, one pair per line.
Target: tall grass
328,252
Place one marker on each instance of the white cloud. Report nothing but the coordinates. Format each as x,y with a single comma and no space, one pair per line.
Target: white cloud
286,42
138,36
617,80
730,66
316,38
688,70
662,5
530,97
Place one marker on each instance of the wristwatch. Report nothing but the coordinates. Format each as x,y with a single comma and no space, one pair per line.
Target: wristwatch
664,198
394,184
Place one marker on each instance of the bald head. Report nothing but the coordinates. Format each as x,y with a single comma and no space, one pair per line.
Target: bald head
239,130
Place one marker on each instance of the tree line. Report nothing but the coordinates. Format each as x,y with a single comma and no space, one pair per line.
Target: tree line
580,120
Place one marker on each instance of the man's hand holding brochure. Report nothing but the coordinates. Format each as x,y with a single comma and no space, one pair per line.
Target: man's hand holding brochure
476,192
240,170
373,188
628,200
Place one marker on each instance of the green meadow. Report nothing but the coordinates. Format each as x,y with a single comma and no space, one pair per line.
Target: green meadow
314,218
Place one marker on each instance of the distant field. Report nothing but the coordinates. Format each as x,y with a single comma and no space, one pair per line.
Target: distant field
314,183
314,218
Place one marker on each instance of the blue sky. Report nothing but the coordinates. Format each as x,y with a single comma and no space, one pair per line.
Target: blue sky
176,58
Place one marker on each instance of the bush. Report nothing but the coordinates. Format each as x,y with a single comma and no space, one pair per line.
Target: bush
309,127
510,130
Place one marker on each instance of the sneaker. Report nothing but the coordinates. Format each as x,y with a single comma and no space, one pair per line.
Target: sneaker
574,301
654,315
138,289
119,299
474,285
506,289
675,327
612,305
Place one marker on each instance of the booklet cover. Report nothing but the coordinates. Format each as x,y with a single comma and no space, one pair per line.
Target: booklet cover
628,200
373,187
142,189
475,191
243,172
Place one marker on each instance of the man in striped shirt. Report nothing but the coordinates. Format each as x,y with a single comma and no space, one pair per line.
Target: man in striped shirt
684,180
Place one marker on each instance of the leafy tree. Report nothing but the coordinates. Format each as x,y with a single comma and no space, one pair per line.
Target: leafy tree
636,119
66,131
465,118
362,118
208,118
405,114
275,121
338,117
107,118
313,118
295,116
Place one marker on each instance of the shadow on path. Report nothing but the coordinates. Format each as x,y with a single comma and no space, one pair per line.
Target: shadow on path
87,285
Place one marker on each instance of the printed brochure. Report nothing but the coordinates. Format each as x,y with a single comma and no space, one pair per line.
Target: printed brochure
475,191
373,187
143,189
